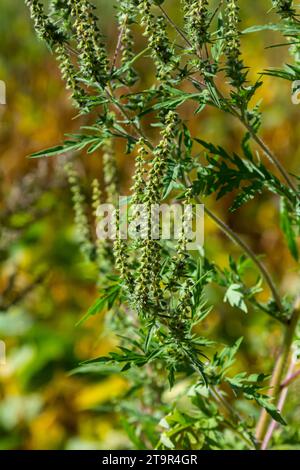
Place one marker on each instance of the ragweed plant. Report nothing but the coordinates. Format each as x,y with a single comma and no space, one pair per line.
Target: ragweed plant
157,290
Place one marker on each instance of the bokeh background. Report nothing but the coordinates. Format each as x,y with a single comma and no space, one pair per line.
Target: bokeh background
46,285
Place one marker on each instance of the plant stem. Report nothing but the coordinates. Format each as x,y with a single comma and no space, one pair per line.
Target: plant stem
271,157
181,33
280,405
231,234
218,399
279,368
118,46
290,379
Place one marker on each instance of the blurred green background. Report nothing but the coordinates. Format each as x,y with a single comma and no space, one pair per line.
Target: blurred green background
45,284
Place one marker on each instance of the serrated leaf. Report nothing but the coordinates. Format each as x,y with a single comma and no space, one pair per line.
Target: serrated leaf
235,297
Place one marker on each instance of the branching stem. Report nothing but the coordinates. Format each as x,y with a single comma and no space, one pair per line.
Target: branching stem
279,369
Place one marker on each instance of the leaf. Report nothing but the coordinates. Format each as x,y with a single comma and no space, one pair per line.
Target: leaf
107,299
288,29
53,151
78,142
235,297
289,74
150,333
226,358
227,173
166,441
270,408
263,27
132,432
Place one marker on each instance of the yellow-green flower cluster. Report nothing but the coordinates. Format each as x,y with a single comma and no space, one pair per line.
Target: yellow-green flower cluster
45,29
156,174
148,286
162,51
121,258
138,189
69,74
178,261
285,8
81,219
126,18
181,321
92,53
59,12
96,196
101,245
197,19
234,65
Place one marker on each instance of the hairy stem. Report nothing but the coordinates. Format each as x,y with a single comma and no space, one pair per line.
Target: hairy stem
280,405
290,379
279,369
232,425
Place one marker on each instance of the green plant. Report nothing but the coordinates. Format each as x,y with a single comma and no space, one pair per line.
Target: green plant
156,291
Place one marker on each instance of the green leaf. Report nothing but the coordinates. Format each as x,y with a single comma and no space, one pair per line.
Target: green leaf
270,408
78,142
235,297
166,441
263,27
107,299
132,432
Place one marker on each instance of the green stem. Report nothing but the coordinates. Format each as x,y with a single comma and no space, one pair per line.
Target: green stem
179,31
279,369
271,157
233,236
231,425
